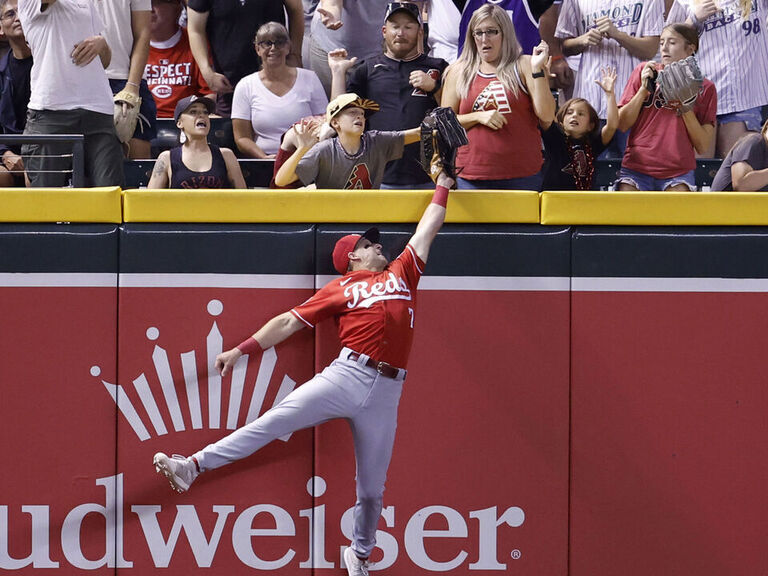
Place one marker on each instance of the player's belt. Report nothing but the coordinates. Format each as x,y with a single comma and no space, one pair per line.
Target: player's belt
386,370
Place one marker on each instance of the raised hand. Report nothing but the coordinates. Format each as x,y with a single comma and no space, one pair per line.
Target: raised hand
704,9
306,133
540,57
607,79
338,61
329,19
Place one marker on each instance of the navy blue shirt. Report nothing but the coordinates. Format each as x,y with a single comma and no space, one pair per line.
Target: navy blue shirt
14,96
402,106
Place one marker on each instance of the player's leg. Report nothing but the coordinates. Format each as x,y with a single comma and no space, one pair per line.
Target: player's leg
373,431
326,396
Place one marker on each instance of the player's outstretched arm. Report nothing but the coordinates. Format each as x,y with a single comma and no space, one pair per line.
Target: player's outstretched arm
433,217
271,334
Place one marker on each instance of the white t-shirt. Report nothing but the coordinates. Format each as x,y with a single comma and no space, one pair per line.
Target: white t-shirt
444,20
635,18
116,15
271,115
57,84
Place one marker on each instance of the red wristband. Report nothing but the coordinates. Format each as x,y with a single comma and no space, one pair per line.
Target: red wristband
250,346
441,196
557,57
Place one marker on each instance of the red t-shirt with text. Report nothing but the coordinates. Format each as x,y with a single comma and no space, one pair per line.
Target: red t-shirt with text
172,74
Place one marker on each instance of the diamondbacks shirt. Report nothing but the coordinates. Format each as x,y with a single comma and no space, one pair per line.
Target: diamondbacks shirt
328,165
374,311
733,52
386,81
632,17
172,73
513,151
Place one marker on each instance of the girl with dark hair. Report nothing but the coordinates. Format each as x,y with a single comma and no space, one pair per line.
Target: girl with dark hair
575,140
660,153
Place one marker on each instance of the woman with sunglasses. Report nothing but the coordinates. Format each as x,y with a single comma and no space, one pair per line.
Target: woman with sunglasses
268,102
500,96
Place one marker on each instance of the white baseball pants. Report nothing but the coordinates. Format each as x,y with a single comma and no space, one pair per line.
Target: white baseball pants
345,389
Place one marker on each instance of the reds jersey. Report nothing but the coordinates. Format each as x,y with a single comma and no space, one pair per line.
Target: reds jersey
632,17
733,52
374,311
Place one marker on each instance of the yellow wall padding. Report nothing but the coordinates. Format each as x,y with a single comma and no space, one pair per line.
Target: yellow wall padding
280,206
655,208
60,205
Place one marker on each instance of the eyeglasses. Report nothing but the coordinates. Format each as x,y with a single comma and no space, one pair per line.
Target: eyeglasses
267,44
10,15
490,32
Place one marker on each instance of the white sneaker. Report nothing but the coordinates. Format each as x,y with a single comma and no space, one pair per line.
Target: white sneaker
180,471
355,566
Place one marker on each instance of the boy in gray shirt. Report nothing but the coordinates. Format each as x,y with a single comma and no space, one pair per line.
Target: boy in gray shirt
354,159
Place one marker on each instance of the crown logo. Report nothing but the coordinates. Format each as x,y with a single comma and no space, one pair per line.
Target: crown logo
154,421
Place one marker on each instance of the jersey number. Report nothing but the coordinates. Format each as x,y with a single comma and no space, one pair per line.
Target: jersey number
751,27
410,311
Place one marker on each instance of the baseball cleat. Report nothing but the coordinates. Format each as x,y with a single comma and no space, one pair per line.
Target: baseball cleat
180,471
355,566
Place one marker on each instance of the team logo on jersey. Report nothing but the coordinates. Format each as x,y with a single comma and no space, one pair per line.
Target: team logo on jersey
493,97
160,387
359,178
364,295
433,73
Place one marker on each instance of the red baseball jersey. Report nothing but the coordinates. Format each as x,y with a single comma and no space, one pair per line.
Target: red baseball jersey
374,311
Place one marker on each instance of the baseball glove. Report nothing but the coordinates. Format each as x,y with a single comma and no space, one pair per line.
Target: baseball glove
680,83
125,124
441,135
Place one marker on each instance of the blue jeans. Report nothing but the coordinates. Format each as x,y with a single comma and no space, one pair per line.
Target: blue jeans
645,182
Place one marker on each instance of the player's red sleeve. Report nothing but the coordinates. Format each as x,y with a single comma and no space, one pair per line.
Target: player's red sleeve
325,303
409,265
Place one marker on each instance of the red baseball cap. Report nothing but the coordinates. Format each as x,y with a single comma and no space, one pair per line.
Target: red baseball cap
347,244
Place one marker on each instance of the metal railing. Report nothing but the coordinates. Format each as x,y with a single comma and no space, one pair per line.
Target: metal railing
77,154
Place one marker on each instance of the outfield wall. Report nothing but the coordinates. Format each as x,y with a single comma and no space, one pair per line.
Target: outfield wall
582,399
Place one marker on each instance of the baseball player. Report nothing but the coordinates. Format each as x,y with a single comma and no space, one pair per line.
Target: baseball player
734,56
374,305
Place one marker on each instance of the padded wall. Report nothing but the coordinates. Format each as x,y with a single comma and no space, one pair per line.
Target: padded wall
58,304
668,401
479,476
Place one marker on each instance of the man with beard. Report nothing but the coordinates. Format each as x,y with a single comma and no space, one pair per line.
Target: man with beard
404,82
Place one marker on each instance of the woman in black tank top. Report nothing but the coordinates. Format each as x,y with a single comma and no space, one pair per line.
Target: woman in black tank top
196,164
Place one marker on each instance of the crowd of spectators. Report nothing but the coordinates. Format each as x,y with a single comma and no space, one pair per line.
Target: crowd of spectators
544,88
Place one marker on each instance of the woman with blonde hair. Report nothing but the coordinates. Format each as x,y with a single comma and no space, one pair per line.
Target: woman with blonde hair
500,96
